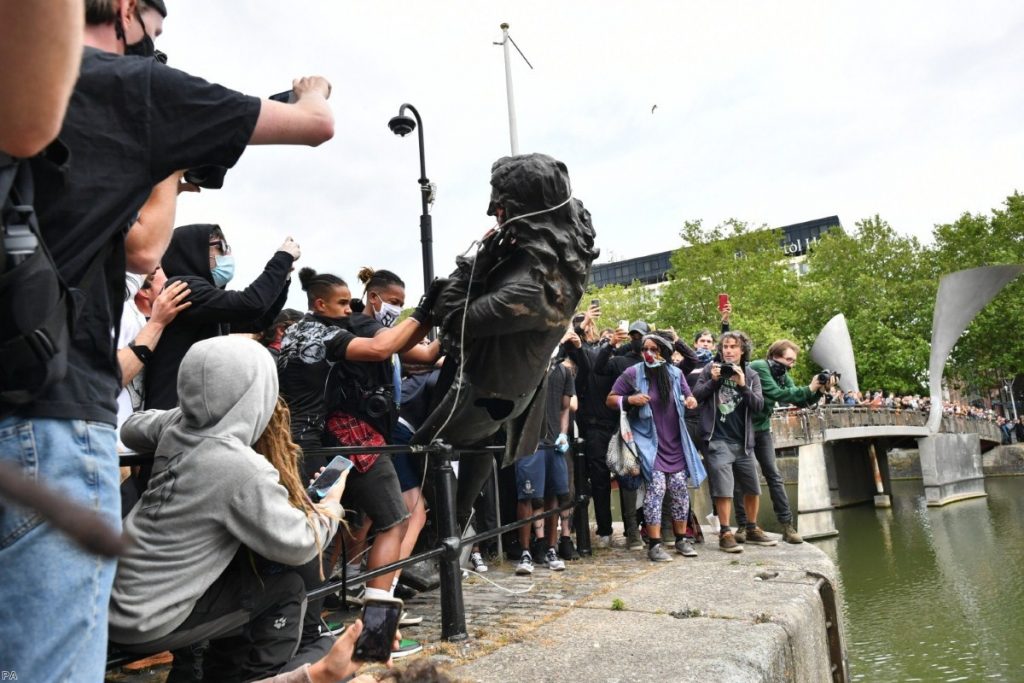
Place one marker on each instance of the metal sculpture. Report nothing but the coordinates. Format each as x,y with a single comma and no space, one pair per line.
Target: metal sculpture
961,295
833,349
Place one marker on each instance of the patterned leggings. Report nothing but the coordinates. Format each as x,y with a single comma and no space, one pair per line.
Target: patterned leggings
656,494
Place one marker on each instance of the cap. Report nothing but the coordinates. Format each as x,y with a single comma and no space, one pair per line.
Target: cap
663,344
158,5
640,326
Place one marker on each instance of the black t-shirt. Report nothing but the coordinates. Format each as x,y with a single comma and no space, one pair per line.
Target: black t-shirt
351,381
309,349
560,383
131,123
731,416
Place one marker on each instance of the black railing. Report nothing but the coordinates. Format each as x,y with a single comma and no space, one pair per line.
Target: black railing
451,541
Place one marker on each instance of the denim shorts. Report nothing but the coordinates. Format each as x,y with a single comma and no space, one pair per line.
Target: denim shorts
543,474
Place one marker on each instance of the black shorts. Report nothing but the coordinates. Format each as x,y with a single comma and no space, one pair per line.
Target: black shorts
377,494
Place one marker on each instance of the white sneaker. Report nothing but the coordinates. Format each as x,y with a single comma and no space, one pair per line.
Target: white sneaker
409,620
553,561
476,561
603,542
525,566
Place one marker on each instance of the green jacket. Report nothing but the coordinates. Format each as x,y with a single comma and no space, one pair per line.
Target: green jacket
789,392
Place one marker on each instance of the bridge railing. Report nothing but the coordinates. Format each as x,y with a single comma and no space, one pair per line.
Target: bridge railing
797,427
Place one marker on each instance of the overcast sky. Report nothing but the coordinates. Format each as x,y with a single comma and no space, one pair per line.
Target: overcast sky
769,112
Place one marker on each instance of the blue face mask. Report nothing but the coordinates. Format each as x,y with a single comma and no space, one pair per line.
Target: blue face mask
704,356
224,270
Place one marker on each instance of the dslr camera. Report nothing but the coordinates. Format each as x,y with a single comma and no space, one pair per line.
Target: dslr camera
378,401
826,376
729,370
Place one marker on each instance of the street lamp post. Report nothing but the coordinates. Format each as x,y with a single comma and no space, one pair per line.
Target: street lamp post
402,125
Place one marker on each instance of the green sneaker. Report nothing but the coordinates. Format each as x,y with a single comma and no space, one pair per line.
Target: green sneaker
406,647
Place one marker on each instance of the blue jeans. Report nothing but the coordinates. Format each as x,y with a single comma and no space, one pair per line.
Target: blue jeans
54,593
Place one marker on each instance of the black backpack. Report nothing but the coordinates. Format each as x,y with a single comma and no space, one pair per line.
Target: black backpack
36,308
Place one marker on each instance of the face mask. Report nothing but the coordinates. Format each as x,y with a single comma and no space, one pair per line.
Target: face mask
778,370
224,270
388,314
651,360
143,48
704,356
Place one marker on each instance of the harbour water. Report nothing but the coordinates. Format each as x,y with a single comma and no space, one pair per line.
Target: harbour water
933,594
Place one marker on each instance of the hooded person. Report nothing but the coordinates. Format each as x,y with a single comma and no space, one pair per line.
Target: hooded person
200,256
186,576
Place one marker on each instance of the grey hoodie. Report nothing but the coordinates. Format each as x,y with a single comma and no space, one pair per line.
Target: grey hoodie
210,492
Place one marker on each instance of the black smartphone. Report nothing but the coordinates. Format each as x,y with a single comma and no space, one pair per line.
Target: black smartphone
288,96
380,623
328,478
595,302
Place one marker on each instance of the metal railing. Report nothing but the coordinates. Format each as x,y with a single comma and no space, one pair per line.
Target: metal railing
451,541
798,427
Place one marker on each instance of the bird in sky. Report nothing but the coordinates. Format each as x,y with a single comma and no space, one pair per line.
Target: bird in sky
653,108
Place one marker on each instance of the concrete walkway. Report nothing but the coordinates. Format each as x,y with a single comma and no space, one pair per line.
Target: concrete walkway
752,616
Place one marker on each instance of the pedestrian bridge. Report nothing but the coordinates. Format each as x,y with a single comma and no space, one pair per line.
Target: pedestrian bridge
843,457
792,428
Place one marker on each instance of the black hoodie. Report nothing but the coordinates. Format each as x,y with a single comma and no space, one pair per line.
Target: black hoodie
213,312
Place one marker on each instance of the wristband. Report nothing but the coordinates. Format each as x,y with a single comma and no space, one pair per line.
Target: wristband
143,352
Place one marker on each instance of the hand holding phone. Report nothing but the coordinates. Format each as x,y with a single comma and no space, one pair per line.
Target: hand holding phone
286,97
328,478
380,624
624,325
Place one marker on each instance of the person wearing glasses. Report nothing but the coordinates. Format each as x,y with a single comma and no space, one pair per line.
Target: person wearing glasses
777,387
200,256
654,393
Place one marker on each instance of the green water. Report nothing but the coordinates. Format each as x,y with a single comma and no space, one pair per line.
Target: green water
933,594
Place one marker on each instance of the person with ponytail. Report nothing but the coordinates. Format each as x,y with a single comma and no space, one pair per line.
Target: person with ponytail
327,363
655,393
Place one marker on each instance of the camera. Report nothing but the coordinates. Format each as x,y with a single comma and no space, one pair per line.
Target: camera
728,370
377,402
826,376
209,177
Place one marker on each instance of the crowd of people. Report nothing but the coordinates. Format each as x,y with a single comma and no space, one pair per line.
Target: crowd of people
238,400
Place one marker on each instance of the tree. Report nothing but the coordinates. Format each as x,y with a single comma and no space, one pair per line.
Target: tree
885,285
618,302
992,349
731,258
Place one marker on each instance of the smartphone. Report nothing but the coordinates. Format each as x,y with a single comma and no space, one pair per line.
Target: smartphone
288,96
595,302
380,623
328,478
723,301
624,325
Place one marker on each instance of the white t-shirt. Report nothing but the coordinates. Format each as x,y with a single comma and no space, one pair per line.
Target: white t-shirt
132,322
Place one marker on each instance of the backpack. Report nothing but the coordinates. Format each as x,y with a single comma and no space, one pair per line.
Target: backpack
36,308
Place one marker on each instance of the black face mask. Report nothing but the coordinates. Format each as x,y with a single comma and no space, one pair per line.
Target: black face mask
143,48
636,345
778,370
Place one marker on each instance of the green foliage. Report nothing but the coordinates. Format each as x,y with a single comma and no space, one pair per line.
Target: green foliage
746,264
631,303
993,346
618,605
884,283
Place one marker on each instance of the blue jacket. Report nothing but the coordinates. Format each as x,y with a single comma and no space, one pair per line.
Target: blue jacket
646,437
